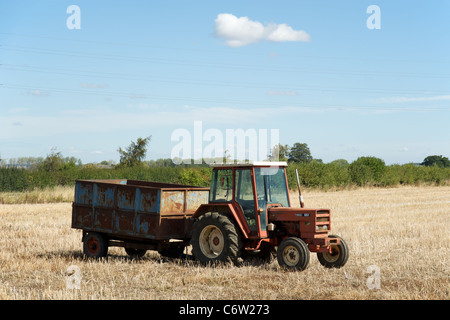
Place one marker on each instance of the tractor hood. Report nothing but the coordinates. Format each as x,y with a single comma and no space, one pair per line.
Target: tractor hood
279,213
312,222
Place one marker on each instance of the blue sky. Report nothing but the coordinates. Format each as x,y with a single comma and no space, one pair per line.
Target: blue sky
311,69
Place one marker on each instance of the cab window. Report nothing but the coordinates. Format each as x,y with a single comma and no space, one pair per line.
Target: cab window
221,186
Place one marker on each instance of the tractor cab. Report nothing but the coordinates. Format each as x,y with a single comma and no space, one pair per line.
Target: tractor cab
251,189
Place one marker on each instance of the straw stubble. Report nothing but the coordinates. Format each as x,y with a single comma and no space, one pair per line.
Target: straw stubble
398,235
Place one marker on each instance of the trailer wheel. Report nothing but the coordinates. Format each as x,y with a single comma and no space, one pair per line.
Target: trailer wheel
293,254
215,239
135,253
337,257
95,245
173,251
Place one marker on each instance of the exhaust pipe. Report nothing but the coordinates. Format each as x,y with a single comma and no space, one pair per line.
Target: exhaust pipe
300,197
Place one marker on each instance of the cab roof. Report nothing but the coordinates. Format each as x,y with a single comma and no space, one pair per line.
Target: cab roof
251,164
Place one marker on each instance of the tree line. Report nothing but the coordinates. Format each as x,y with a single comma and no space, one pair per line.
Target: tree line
55,169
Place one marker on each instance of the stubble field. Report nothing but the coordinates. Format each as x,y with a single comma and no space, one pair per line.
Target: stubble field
399,243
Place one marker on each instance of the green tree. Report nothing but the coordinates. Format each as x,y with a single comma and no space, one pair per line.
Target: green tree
367,169
340,163
135,152
13,179
279,152
55,162
300,153
435,160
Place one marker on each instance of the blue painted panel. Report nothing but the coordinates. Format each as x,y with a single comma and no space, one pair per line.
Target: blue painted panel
83,193
126,198
149,200
104,195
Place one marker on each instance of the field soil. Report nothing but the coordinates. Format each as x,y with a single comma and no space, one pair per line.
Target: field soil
399,241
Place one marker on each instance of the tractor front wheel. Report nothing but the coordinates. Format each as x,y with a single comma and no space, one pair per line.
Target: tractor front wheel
293,254
337,257
215,239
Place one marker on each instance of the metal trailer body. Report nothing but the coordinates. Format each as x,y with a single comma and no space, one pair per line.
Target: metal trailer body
136,214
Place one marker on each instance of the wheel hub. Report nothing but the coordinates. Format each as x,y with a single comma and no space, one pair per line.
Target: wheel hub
291,255
333,254
211,241
92,246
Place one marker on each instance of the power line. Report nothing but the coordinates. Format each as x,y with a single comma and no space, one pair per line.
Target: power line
110,75
233,52
218,65
224,101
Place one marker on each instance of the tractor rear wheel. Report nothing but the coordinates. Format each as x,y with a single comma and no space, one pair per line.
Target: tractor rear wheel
215,239
293,254
337,257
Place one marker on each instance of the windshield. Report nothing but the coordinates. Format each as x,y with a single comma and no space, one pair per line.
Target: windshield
221,186
271,186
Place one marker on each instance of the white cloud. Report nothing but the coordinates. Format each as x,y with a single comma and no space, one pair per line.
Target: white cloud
93,85
238,31
18,110
38,93
242,31
96,122
73,150
283,32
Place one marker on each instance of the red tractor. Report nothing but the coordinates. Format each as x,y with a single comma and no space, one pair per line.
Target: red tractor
249,214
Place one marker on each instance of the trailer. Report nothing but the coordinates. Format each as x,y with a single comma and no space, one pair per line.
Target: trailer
136,215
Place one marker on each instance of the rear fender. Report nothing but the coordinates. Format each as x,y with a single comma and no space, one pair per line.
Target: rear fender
226,209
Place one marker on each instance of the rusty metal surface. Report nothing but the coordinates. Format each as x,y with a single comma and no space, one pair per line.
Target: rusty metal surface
195,199
172,201
136,209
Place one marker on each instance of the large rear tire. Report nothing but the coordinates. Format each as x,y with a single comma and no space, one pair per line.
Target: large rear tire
215,239
293,254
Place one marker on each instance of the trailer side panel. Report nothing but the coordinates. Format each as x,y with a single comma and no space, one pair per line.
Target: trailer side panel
137,210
